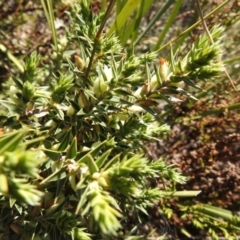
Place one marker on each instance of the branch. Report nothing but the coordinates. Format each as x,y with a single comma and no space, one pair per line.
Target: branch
212,42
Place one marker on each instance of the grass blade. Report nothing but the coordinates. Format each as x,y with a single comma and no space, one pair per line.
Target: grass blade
123,16
169,23
153,21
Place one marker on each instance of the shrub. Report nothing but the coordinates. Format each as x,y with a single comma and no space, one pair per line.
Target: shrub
73,128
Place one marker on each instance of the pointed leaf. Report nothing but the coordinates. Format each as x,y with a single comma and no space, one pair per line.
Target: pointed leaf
65,141
60,185
123,16
72,151
192,84
114,160
83,199
55,207
18,82
12,201
101,160
180,194
216,212
53,155
59,174
12,107
4,184
159,80
9,142
122,92
96,148
180,90
152,112
89,160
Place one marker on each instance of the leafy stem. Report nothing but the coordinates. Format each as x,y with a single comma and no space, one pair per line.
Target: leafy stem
98,35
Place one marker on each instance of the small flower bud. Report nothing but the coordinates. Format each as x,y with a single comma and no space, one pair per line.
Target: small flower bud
63,41
70,111
50,123
54,55
72,181
82,100
99,86
136,109
13,90
28,91
79,62
96,175
59,47
163,69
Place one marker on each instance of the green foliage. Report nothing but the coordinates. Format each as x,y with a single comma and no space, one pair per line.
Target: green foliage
17,164
213,218
72,154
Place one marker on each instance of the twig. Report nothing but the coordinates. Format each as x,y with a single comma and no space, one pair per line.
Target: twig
212,42
192,27
98,35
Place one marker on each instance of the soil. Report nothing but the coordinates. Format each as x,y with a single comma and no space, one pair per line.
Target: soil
207,150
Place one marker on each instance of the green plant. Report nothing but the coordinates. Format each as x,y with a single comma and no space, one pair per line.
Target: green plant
73,162
205,216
